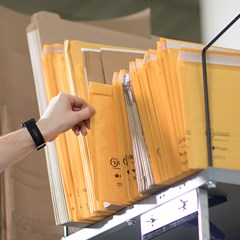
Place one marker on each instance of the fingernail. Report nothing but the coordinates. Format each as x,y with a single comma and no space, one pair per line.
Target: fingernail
92,110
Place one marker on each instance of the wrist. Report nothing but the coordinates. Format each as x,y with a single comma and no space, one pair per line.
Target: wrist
43,126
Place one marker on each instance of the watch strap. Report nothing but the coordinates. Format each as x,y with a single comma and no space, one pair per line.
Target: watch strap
35,133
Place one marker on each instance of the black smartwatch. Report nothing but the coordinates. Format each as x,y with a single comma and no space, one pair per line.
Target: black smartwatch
35,133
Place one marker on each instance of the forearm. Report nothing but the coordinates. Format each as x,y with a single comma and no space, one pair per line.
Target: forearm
14,147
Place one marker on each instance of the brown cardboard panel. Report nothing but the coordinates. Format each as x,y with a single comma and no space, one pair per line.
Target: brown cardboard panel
17,86
115,60
53,29
137,23
12,29
92,64
26,191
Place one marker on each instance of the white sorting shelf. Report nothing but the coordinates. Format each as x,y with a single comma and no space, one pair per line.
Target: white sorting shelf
217,182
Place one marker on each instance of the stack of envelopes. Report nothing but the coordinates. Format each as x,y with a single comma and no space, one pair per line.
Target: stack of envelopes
149,128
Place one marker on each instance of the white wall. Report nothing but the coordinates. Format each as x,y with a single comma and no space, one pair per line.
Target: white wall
215,15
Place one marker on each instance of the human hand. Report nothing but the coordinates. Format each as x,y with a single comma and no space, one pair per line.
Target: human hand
65,112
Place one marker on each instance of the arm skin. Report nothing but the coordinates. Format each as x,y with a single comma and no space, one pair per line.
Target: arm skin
63,113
